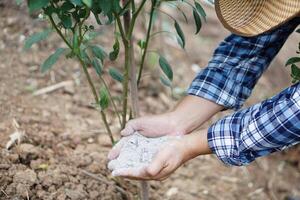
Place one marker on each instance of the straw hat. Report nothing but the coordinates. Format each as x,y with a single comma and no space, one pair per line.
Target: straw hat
253,17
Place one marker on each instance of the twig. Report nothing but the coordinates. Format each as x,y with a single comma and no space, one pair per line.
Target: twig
52,88
4,193
146,42
27,195
94,176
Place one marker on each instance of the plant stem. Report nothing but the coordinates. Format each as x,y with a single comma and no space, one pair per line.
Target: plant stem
111,99
119,23
93,89
134,17
129,65
125,85
146,42
59,32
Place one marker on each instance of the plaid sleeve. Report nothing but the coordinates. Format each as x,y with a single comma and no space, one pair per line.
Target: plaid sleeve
259,130
237,64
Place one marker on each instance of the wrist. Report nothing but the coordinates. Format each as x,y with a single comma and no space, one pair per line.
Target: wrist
176,121
196,144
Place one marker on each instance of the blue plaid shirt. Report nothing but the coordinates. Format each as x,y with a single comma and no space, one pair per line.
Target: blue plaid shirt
228,80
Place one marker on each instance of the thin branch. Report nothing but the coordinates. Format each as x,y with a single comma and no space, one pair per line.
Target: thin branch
93,89
121,29
160,32
111,99
146,42
59,32
134,17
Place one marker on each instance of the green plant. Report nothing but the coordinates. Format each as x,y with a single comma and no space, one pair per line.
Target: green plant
70,20
295,70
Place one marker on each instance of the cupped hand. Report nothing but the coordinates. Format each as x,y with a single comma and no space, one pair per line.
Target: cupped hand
154,126
171,156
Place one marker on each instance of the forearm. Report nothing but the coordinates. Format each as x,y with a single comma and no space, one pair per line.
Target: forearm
196,144
192,112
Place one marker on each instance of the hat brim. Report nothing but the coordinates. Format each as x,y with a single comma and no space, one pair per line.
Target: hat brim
251,18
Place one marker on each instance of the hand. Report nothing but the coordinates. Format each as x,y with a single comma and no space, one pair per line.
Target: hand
167,160
154,126
174,153
188,115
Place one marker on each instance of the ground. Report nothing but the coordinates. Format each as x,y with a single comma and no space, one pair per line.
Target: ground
63,155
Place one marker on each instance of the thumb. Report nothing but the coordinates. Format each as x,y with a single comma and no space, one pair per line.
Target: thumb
131,127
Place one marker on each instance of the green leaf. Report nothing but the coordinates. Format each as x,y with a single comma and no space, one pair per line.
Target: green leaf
106,6
116,75
97,66
66,6
66,21
76,2
104,98
292,61
35,5
295,73
200,10
197,21
37,37
52,59
19,2
180,33
166,68
142,44
88,3
116,49
165,81
84,55
49,10
99,52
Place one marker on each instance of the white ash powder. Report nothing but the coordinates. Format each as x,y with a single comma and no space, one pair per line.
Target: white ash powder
137,151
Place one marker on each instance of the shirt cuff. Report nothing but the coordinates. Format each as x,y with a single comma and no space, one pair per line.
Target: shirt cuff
214,85
224,138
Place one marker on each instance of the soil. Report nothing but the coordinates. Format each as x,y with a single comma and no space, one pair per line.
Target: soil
63,154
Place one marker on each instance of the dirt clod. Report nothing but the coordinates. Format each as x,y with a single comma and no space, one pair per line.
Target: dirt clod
27,177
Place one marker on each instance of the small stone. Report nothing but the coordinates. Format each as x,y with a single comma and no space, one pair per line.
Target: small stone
27,176
4,166
28,150
22,190
93,194
61,197
172,191
13,157
75,194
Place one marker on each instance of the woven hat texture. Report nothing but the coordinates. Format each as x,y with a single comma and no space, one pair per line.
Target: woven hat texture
253,17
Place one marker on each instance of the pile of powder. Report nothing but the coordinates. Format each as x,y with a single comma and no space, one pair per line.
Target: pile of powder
137,151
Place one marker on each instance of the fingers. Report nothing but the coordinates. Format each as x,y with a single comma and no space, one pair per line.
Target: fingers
133,173
156,170
158,163
115,151
112,165
130,127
